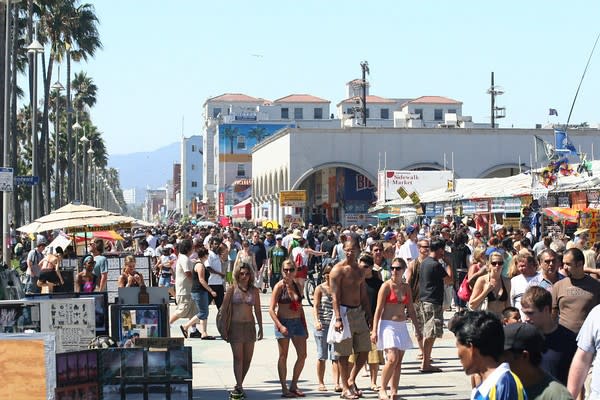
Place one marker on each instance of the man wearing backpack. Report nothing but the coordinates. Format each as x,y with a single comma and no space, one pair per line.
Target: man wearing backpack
33,266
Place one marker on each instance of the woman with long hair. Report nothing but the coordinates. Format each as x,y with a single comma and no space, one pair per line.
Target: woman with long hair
202,294
244,302
492,290
130,277
390,333
288,317
245,256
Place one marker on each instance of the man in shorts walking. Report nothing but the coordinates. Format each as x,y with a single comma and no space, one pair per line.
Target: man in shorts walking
433,277
351,307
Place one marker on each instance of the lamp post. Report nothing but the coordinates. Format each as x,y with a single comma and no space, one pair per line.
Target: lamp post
76,128
90,153
58,87
34,48
84,140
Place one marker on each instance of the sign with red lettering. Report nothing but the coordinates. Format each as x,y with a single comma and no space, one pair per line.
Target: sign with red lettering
391,181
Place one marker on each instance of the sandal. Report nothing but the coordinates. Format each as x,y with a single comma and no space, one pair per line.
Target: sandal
322,388
184,331
297,392
338,389
356,390
288,395
374,388
349,395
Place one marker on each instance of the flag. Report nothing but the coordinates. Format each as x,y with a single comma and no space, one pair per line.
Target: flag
544,151
562,143
553,111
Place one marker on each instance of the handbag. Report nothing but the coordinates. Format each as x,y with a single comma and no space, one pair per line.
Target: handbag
464,291
224,318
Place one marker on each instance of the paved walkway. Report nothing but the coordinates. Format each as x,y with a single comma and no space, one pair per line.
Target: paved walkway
213,372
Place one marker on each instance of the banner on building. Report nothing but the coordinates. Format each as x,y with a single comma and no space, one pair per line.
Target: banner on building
392,184
292,198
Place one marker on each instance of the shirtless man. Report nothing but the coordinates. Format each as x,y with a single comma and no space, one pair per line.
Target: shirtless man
350,303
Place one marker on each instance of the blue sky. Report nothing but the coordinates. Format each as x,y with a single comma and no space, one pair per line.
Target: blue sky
162,60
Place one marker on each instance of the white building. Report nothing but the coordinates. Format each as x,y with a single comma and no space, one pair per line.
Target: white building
191,171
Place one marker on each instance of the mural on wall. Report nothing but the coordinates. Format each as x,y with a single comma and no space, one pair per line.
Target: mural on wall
354,190
240,138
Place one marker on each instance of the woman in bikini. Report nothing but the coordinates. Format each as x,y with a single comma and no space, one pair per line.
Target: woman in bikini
245,256
287,314
130,277
50,275
244,300
491,291
85,282
389,332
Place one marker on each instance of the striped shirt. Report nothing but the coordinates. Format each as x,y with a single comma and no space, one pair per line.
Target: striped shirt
502,384
326,308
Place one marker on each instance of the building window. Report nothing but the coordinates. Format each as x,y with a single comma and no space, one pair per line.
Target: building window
216,112
438,114
193,148
349,111
451,111
285,113
298,113
241,142
194,184
419,112
318,113
385,113
193,167
368,114
241,170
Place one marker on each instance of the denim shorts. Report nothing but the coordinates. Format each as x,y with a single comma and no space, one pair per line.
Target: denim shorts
201,299
164,280
324,349
294,326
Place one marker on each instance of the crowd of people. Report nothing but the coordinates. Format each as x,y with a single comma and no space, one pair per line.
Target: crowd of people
524,308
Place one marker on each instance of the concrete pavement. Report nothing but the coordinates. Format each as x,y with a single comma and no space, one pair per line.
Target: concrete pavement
213,372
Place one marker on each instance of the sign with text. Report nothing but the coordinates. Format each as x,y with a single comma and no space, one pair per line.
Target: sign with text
292,198
394,183
27,180
6,179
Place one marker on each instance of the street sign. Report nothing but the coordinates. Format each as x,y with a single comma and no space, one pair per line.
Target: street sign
292,198
27,180
6,179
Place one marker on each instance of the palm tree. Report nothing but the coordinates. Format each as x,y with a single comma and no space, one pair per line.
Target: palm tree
259,132
85,91
71,31
230,134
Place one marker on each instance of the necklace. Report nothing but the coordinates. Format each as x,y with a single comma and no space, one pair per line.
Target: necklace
243,290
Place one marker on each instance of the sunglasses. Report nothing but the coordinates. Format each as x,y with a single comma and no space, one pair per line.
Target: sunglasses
366,266
550,261
496,263
289,269
396,268
244,274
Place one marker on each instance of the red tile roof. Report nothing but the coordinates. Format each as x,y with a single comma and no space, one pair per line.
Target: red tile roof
236,98
433,100
301,98
370,99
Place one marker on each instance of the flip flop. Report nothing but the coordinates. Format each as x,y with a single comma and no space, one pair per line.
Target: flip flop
322,388
288,395
297,392
357,391
350,395
338,389
432,370
184,331
207,338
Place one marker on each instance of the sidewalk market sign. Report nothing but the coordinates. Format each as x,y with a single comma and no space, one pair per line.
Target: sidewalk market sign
396,184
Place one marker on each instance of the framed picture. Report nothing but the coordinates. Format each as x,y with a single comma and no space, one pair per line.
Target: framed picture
62,371
180,363
144,321
111,392
100,305
157,391
110,364
92,365
134,391
132,363
156,364
72,367
72,320
82,364
181,391
19,316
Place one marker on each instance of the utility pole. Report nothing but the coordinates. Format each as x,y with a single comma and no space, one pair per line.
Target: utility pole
365,70
495,112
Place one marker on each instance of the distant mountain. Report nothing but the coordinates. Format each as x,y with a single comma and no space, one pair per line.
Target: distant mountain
146,169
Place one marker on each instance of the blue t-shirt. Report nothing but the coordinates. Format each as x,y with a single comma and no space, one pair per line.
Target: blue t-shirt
502,384
100,267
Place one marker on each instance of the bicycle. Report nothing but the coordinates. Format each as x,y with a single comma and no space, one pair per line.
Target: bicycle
314,279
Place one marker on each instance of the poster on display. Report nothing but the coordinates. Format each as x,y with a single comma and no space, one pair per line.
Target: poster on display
18,316
578,200
468,207
393,183
482,206
72,320
147,321
498,205
593,200
430,210
439,209
359,219
590,219
512,205
563,201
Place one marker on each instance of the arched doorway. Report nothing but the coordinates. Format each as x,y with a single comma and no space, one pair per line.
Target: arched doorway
337,193
503,171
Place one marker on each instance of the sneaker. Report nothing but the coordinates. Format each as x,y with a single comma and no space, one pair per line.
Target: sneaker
195,334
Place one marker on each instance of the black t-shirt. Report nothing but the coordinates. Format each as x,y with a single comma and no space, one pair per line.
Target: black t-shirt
373,286
561,346
328,246
431,281
260,253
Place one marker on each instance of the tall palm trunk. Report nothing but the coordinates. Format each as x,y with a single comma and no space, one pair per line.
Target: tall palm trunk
45,171
71,181
15,204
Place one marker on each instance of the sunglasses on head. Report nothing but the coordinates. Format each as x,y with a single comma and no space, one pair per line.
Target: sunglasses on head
396,268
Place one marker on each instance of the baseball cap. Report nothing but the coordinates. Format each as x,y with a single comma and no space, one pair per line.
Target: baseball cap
278,237
42,242
389,236
410,229
522,336
169,246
